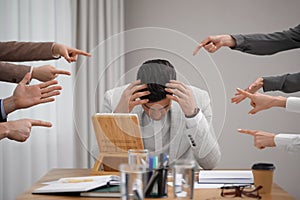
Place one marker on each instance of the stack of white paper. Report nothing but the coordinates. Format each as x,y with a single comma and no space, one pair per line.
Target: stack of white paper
225,177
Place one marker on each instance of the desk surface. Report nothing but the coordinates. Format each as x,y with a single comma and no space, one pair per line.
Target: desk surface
201,194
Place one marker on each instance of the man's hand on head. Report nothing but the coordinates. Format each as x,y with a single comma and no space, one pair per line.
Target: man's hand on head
131,97
183,95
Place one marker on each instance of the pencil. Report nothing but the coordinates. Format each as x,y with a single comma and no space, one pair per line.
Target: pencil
77,180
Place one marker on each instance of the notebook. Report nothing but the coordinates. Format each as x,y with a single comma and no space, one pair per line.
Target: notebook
105,191
77,184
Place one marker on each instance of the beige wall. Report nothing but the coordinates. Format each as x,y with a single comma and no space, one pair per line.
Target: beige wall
198,19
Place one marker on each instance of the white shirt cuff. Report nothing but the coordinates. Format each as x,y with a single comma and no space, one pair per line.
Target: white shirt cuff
290,142
4,115
293,104
282,139
192,122
54,56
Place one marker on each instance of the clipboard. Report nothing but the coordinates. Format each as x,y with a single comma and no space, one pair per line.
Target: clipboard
116,133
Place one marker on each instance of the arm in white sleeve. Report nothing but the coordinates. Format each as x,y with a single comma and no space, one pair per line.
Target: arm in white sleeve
290,142
293,104
192,122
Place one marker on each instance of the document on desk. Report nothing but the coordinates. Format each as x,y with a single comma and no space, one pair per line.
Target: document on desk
225,177
77,184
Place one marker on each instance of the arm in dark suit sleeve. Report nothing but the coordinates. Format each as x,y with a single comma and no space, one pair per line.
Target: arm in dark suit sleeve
13,73
25,51
2,119
267,44
287,83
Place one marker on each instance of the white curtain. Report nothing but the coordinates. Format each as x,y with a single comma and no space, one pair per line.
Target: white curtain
24,163
82,24
98,27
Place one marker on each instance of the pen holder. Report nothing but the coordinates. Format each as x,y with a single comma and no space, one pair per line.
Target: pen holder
156,185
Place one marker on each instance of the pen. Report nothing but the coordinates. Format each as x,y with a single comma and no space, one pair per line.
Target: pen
137,191
149,187
155,166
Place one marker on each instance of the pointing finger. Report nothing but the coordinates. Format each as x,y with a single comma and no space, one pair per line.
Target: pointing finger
204,42
40,123
197,49
82,53
62,72
249,132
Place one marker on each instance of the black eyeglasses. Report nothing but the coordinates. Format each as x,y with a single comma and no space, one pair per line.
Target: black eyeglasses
241,191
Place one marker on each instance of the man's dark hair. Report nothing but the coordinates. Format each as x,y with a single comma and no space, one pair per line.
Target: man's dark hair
156,73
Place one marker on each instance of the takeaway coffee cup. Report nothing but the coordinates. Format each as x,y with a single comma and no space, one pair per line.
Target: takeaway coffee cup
263,175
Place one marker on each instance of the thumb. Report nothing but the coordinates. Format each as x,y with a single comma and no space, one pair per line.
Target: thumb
253,111
26,79
251,86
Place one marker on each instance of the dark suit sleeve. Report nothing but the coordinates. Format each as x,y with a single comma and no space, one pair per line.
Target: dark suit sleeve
25,51
267,44
287,83
1,117
12,73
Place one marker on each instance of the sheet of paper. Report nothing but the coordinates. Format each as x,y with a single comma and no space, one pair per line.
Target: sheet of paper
207,186
199,186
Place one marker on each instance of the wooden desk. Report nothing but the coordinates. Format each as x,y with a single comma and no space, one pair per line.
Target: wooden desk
200,194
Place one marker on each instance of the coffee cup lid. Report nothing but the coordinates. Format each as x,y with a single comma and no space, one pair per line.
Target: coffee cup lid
263,166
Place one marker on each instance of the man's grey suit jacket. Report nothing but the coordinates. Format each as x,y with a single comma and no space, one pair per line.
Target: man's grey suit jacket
199,142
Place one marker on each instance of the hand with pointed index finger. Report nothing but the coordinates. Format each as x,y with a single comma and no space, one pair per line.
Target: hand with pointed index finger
47,72
19,130
69,53
213,43
262,139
